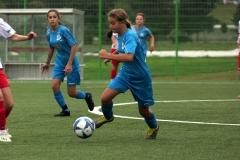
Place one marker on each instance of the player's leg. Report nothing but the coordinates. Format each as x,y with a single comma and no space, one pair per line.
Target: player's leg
4,85
151,121
114,69
144,97
119,85
8,103
56,82
73,79
6,93
8,100
106,106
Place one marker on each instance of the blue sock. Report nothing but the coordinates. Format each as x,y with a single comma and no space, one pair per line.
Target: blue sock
81,95
60,100
107,111
151,121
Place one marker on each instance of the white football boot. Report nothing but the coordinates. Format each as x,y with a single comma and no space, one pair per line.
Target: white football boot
4,136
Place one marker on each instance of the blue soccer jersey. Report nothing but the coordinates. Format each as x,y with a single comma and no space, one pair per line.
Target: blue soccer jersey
134,75
62,40
129,43
142,35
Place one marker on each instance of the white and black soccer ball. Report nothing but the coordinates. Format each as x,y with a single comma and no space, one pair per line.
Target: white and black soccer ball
84,127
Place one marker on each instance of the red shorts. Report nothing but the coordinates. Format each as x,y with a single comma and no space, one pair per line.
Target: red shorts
114,62
3,80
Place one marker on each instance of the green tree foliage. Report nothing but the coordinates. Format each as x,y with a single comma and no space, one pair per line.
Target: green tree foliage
36,4
194,18
160,15
224,28
236,16
2,4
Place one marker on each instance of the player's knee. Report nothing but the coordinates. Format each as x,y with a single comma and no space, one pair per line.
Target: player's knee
72,94
55,88
144,111
105,100
8,105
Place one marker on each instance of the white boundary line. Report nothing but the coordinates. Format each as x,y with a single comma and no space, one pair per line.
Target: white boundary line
97,111
154,82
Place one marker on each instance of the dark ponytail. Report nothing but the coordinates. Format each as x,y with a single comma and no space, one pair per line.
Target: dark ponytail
128,25
109,34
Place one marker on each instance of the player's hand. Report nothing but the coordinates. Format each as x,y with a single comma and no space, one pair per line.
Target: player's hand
106,62
103,54
114,44
68,69
151,48
31,35
44,68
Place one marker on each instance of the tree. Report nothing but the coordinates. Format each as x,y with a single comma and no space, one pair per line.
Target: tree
224,28
236,16
2,4
160,16
194,18
36,4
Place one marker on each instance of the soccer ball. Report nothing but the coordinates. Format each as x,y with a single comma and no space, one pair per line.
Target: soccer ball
84,127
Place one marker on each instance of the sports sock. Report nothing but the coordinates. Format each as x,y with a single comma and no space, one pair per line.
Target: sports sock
151,121
8,112
81,95
60,100
2,116
113,73
107,111
65,108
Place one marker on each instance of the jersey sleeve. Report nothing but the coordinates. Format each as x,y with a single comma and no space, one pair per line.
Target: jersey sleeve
149,33
130,44
69,37
5,29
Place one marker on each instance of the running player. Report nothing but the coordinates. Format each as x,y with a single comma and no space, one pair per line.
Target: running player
133,75
143,32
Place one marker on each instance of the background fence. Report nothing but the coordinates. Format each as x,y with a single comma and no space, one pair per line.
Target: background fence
202,25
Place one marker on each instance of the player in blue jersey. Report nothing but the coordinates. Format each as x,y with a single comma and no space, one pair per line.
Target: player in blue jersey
143,33
134,73
66,64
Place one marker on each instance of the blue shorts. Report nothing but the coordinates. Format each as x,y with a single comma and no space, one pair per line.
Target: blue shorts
140,89
73,78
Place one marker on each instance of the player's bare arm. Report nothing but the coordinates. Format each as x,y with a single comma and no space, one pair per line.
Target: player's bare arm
18,37
151,48
45,67
103,54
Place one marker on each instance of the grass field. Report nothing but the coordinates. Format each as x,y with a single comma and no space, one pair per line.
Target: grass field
198,120
164,68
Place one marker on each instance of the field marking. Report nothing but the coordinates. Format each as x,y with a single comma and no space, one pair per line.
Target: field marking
97,111
107,82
